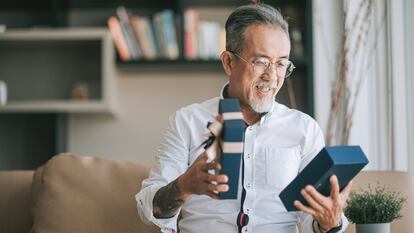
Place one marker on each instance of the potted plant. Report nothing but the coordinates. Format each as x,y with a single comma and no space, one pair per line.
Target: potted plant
374,209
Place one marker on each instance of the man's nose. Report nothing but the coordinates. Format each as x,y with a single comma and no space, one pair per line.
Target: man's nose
270,74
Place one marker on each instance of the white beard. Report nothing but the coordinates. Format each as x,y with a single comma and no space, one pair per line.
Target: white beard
262,105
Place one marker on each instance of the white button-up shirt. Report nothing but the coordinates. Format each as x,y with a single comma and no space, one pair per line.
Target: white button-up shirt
276,149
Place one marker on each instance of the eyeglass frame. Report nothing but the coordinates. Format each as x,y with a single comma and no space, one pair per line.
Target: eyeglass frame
289,68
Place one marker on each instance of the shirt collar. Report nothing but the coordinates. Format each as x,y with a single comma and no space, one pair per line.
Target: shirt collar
223,92
265,115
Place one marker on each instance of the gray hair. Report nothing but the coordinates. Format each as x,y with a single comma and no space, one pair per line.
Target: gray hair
247,15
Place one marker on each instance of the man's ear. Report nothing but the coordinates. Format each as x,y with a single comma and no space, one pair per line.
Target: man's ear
227,62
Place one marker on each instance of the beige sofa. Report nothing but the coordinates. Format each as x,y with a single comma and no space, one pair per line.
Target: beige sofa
73,194
76,194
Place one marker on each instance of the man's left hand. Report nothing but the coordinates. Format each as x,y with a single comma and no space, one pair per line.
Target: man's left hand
325,210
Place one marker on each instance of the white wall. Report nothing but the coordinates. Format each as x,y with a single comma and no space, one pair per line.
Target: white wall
145,100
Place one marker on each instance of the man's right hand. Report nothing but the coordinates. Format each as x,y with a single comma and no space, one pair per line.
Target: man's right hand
197,180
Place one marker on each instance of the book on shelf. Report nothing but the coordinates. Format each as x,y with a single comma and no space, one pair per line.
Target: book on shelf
164,24
203,39
157,22
143,30
170,33
144,37
209,38
118,38
191,20
129,36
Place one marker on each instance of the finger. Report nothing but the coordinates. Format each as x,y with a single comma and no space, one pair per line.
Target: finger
222,188
217,178
217,188
322,200
334,188
211,166
314,204
304,208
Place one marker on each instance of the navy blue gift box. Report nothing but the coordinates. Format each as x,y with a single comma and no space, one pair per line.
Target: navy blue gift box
343,161
231,144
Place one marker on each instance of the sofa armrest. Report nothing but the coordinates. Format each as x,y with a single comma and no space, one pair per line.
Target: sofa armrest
15,216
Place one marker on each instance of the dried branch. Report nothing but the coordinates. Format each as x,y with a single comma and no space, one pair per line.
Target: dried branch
344,93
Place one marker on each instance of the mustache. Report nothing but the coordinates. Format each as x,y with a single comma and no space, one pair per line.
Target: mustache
266,85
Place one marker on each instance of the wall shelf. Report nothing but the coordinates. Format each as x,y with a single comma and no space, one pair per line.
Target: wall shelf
54,62
63,106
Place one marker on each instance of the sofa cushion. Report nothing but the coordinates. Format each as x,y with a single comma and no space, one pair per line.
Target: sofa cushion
15,201
87,194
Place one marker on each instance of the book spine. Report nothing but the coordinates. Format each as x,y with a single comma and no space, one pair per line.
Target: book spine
127,31
215,53
140,27
170,34
134,36
203,41
190,34
154,39
158,29
118,38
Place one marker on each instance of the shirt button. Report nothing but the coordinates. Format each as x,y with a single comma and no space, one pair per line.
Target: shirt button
247,210
248,156
248,185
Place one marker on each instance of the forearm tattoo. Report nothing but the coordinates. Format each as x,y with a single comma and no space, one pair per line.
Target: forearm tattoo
167,200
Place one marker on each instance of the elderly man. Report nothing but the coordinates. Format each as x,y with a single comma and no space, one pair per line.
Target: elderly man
279,142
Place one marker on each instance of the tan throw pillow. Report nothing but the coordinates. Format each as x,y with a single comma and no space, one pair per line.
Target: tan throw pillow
76,194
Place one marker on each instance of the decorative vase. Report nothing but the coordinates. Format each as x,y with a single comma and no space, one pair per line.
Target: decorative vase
373,228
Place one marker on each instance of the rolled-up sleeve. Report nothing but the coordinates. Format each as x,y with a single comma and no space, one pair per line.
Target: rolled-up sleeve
171,162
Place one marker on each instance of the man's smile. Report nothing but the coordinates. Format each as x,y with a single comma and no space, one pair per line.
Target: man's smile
265,89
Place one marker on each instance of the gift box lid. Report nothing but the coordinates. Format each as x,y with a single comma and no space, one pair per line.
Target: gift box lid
343,161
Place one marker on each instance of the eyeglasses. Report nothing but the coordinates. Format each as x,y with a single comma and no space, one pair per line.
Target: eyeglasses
284,68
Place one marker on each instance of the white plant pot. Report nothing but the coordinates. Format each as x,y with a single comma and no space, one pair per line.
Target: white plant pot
373,228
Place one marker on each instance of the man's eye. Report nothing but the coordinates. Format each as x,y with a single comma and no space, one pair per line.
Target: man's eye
261,63
281,64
